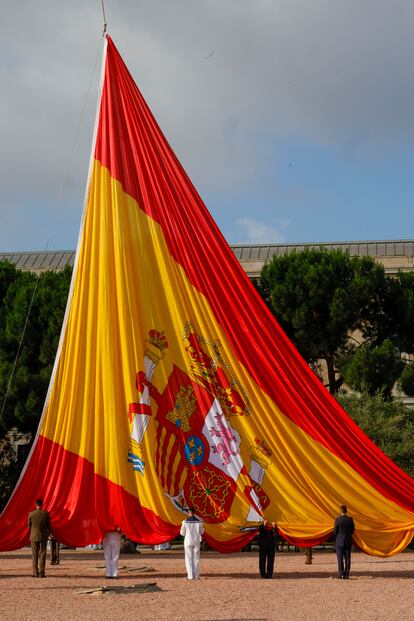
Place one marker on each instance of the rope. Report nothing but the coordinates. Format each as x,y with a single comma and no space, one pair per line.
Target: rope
18,350
68,164
59,208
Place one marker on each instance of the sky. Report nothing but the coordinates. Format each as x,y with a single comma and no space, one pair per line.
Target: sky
293,118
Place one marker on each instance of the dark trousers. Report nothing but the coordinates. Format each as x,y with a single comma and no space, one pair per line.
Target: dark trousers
343,554
266,560
39,557
54,552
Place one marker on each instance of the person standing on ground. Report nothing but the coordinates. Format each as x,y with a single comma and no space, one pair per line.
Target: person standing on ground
112,546
192,530
343,530
39,527
54,551
267,548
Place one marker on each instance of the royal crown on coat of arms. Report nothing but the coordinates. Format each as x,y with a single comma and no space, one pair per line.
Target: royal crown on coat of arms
156,344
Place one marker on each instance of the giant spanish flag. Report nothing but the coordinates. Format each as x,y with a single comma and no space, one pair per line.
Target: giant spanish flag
175,387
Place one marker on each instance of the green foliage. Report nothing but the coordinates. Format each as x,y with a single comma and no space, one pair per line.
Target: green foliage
323,298
319,297
389,424
405,303
374,369
11,464
35,362
407,380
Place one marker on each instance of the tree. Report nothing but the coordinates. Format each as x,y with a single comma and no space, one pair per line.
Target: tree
404,301
48,295
321,297
8,274
389,424
12,459
374,369
407,380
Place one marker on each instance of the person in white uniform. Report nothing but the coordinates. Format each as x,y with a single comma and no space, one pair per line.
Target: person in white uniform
192,530
112,545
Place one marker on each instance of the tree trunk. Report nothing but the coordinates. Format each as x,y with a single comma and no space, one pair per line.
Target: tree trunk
334,382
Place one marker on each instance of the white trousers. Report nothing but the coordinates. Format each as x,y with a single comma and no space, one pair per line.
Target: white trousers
192,561
111,546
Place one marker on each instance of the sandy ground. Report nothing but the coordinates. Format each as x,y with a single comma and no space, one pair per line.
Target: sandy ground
229,588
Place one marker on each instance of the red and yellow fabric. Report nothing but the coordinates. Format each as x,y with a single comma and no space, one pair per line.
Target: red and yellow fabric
164,327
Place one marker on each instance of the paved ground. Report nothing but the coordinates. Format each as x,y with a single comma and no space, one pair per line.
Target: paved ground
230,589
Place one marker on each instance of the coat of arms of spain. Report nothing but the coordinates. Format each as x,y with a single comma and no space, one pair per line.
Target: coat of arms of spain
197,450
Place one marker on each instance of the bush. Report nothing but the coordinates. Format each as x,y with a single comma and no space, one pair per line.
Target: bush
389,424
374,369
407,380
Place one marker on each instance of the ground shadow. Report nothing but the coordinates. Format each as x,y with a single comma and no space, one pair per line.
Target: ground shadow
98,577
294,575
156,575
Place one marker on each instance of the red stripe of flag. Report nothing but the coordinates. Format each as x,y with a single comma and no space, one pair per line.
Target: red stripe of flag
149,171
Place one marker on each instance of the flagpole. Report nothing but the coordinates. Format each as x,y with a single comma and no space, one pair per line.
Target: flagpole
104,18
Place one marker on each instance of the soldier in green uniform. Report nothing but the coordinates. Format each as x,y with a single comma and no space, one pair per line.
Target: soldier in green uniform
39,527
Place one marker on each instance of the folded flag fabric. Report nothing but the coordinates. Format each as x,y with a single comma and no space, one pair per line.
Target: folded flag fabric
174,386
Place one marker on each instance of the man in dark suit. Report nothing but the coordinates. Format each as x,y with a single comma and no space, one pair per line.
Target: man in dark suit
343,530
39,526
267,548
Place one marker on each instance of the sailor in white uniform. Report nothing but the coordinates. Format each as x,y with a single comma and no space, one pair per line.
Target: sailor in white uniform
192,530
111,545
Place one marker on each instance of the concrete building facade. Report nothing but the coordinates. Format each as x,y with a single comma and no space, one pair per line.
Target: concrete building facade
395,255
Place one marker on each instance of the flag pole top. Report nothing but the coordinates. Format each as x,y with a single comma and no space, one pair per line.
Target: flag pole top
104,18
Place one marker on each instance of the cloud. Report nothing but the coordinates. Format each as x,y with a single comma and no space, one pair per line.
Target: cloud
256,232
335,73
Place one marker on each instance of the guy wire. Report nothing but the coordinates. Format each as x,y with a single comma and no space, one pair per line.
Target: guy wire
60,203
